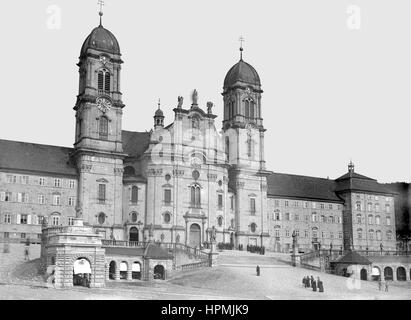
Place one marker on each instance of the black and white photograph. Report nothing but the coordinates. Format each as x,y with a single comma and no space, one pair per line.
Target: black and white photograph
200,150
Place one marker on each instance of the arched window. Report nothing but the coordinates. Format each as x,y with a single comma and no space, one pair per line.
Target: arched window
103,81
387,208
369,207
101,218
134,195
277,215
359,219
359,233
133,216
253,227
370,219
103,128
231,106
388,221
247,109
378,235
196,196
252,109
358,206
389,235
220,221
377,220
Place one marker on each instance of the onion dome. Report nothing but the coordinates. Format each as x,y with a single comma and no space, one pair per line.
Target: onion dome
101,39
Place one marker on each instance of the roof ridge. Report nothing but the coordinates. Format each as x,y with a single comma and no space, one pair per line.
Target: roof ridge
299,175
34,143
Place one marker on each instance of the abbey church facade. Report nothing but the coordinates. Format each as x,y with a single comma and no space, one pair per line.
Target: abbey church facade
176,182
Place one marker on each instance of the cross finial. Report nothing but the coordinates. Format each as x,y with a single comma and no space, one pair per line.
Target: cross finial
241,46
101,4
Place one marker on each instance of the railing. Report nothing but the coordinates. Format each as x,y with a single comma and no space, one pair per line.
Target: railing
120,243
195,265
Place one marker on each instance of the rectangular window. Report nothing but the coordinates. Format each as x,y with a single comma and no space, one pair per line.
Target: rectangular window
41,199
25,198
56,199
287,233
296,217
23,219
42,181
306,204
314,205
286,203
306,233
287,216
330,206
277,232
71,184
167,196
295,203
7,218
297,232
220,201
6,235
55,220
23,235
40,220
388,221
331,235
11,178
25,179
2,196
101,193
71,221
277,203
57,183
340,235
322,205
252,205
134,195
71,201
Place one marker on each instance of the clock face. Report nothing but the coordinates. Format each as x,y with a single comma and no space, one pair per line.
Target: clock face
103,104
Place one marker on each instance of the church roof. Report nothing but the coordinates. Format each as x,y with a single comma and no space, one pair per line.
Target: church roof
303,187
32,157
135,143
24,156
242,72
101,39
358,182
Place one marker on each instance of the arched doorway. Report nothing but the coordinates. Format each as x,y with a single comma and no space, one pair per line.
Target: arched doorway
136,270
363,274
401,274
159,272
112,270
376,273
123,270
195,235
388,273
133,234
81,272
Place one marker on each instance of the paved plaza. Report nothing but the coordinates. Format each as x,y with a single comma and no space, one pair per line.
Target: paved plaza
235,278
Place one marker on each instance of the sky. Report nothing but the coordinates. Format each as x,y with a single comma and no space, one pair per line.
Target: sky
335,74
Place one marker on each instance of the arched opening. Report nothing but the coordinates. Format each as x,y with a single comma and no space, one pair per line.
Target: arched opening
159,272
112,270
103,128
123,270
388,273
401,274
363,274
81,272
376,274
136,270
195,235
134,234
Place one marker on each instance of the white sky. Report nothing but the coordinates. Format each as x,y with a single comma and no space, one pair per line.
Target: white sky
330,93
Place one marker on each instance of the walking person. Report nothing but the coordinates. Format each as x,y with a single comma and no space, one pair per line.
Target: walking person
258,270
26,253
304,282
312,281
379,284
386,285
320,285
314,285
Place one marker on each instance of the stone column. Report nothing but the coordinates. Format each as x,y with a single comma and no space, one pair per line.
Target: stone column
108,272
129,271
117,273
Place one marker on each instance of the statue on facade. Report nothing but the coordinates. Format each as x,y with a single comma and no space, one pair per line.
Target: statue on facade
213,234
180,102
195,97
79,213
210,107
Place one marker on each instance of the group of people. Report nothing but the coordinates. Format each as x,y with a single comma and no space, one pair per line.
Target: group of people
310,282
256,249
381,284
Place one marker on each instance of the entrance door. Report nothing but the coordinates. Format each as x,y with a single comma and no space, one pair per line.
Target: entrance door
81,272
195,235
363,274
133,234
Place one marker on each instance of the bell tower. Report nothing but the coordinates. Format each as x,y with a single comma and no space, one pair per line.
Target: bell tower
98,151
244,140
